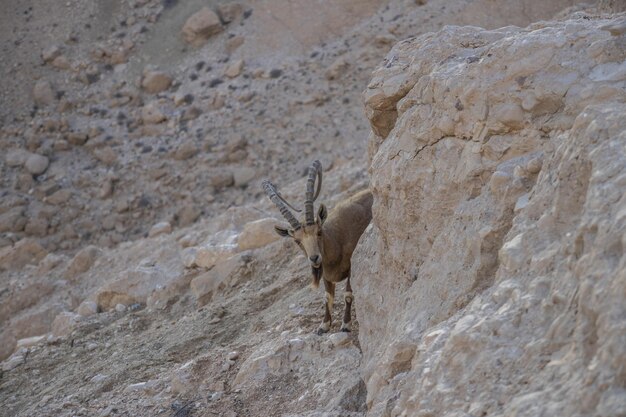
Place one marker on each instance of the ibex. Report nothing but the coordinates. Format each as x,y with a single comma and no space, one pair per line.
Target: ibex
328,240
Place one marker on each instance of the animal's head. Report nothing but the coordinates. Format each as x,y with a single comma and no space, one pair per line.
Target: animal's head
308,235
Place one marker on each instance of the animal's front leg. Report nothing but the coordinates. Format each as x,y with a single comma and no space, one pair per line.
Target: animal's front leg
328,306
346,325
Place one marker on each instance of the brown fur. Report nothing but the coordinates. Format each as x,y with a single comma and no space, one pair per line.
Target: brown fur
340,233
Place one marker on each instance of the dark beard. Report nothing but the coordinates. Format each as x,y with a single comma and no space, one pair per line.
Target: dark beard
317,275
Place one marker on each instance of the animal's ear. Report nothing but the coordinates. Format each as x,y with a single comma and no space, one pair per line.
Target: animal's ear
284,232
322,213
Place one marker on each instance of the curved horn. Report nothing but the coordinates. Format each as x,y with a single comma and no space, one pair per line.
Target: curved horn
314,170
280,202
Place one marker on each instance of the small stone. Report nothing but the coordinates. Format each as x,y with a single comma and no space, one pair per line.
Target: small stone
50,53
339,339
99,378
243,175
37,227
59,197
155,81
37,164
201,26
217,396
185,151
64,323
233,43
30,341
152,114
61,62
106,155
336,69
229,11
87,308
233,356
222,180
234,69
16,157
43,94
160,228
187,215
534,165
120,308
77,138
82,261
217,386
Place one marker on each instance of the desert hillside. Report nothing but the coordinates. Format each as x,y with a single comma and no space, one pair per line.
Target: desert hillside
140,274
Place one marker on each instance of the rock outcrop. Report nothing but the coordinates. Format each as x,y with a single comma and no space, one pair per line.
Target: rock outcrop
492,280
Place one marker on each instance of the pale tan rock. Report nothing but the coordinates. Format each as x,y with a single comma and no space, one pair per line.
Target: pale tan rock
152,114
26,251
155,81
87,308
459,277
160,228
257,234
204,286
82,261
50,53
229,11
337,69
64,324
234,69
43,94
185,150
13,220
59,197
16,157
201,26
105,155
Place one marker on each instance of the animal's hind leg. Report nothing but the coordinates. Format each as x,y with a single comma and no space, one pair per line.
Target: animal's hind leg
346,325
328,306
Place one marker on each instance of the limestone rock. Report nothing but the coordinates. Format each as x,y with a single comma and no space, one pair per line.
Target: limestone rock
13,220
155,81
204,286
36,164
26,251
160,228
50,53
16,157
201,26
229,11
257,234
87,308
185,151
234,68
509,260
64,324
82,261
151,113
43,94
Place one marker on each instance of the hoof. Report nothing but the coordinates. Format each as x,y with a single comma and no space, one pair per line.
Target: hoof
321,331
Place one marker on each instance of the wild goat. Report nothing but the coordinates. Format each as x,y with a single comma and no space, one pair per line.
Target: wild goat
329,240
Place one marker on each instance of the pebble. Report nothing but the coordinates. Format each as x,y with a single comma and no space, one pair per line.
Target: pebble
37,164
233,356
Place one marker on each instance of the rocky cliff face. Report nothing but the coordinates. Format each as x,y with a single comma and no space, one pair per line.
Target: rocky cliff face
492,280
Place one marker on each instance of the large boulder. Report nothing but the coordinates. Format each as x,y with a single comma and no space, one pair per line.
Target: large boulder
495,261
